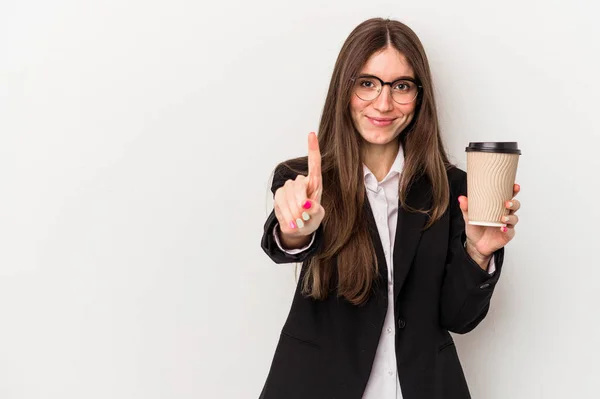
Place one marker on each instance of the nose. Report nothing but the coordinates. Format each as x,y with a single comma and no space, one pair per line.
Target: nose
384,102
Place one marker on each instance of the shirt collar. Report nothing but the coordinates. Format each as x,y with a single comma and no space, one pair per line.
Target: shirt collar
396,169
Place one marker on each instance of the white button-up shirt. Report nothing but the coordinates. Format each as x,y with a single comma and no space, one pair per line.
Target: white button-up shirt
383,197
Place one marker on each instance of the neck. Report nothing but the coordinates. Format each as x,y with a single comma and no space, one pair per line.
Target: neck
379,158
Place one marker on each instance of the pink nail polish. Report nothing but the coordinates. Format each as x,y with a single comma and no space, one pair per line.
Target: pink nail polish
504,229
307,205
292,225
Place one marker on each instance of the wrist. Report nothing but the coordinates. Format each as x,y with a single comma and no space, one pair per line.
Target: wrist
292,242
479,258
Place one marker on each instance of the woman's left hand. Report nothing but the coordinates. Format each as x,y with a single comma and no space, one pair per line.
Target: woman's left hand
486,240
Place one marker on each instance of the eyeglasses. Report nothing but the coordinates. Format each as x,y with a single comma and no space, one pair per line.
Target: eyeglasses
369,87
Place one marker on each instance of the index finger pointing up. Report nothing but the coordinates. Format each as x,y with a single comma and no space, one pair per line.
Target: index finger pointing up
314,163
314,156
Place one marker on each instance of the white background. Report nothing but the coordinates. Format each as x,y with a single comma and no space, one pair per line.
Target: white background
137,140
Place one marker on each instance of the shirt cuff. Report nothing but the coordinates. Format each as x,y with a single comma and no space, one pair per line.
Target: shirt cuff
492,266
292,251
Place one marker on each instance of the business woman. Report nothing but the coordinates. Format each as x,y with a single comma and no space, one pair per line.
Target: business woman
377,216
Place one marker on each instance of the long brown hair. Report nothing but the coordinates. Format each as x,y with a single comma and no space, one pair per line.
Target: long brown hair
347,261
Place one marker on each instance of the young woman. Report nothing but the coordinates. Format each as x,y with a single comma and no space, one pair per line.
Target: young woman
377,216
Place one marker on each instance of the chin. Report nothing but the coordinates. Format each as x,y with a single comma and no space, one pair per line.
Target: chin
379,136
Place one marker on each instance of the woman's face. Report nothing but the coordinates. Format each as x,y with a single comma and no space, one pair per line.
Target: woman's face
381,120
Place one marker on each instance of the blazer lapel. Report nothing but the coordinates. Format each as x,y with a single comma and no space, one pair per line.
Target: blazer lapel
409,230
374,232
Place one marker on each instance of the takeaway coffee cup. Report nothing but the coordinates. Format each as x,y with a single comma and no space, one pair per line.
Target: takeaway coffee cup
491,172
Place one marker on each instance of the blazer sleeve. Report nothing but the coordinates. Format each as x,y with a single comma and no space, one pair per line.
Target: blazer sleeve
268,243
466,288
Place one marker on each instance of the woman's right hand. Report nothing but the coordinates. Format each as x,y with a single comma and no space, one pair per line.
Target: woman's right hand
298,202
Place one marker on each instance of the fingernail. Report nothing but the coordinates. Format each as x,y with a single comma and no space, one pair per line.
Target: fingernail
292,225
307,205
300,223
518,187
505,218
504,229
305,216
510,204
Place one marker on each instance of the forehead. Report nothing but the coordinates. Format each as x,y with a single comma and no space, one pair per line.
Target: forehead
388,64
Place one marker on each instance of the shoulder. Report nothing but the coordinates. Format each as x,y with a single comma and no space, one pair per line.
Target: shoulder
291,168
456,174
457,180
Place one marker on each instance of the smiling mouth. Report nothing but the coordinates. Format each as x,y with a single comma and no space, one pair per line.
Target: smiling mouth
381,121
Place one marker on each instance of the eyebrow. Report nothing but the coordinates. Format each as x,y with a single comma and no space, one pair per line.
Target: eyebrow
365,75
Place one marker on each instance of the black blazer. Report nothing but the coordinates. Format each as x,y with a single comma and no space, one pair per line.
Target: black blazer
326,348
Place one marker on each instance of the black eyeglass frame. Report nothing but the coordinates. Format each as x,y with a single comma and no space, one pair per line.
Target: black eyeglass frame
419,87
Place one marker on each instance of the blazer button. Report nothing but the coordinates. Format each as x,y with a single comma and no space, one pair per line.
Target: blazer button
401,323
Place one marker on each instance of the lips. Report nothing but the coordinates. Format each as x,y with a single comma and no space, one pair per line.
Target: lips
381,121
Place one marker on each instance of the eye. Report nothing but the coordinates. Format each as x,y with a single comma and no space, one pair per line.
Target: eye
366,83
403,86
